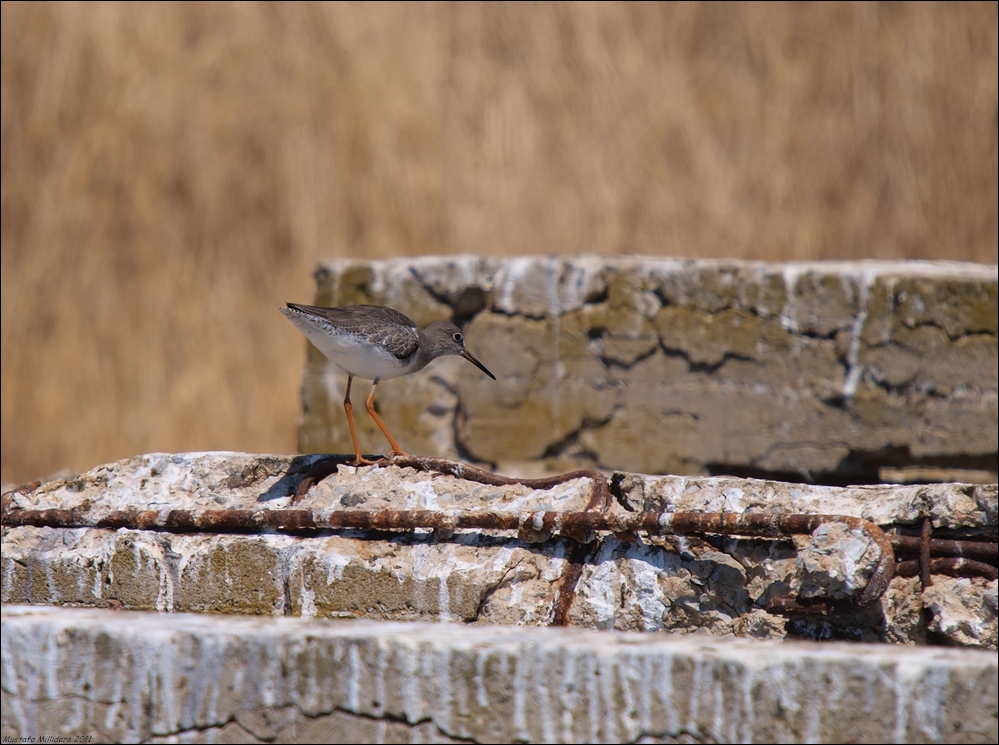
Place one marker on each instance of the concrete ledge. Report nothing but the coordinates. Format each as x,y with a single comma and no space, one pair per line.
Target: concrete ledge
128,676
715,584
837,372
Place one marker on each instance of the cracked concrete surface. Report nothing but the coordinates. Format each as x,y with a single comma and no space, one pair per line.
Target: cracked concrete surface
120,676
824,371
715,585
837,372
326,637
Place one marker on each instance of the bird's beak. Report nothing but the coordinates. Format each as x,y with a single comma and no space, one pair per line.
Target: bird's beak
468,356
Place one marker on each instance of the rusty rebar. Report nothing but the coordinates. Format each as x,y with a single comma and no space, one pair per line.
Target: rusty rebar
600,498
979,550
954,557
925,577
955,566
565,592
570,524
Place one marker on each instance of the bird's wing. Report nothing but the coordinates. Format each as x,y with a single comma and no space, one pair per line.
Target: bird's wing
390,329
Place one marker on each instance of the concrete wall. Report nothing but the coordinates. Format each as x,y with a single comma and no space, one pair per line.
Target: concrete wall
722,667
708,584
834,372
145,677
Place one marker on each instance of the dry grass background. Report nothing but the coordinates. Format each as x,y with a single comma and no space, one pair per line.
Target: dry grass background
171,173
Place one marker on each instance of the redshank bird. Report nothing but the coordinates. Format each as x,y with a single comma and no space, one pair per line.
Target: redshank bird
376,343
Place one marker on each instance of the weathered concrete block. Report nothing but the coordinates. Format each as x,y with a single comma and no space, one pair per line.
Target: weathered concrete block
830,371
119,676
710,583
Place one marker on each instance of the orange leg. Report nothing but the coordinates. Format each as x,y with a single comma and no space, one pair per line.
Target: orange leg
396,450
359,460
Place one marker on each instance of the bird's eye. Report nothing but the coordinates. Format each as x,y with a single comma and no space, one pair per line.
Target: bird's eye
458,337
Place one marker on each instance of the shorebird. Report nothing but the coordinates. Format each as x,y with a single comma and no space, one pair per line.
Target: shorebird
376,343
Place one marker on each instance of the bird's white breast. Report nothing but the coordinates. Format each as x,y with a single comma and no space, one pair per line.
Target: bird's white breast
350,352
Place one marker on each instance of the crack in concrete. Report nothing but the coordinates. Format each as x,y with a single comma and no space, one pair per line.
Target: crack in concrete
492,590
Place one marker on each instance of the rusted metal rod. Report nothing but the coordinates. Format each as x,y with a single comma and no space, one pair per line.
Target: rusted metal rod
599,500
240,521
951,565
566,523
954,557
925,575
979,550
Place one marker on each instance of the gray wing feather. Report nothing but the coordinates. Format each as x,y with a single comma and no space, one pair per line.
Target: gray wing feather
392,330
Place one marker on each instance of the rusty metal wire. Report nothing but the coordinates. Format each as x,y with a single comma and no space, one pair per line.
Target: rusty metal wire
950,565
570,524
978,550
925,576
600,499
